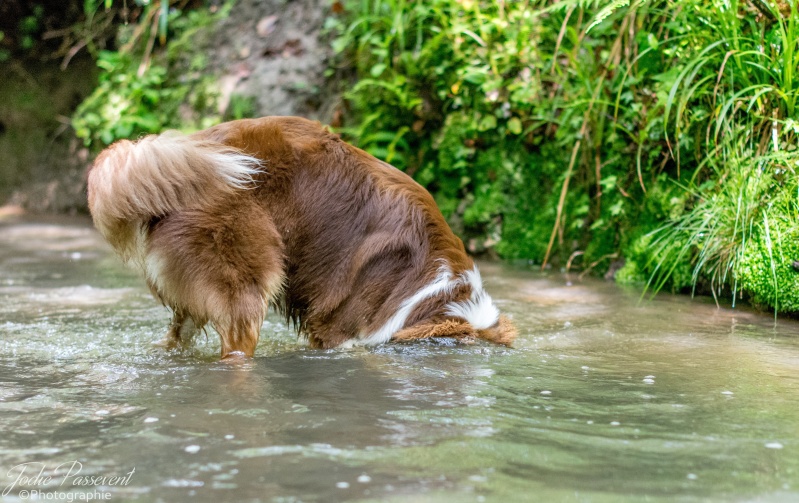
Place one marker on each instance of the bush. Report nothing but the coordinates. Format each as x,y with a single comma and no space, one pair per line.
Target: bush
653,131
142,90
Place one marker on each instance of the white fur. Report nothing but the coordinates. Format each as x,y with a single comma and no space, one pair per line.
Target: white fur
441,283
479,310
173,155
153,270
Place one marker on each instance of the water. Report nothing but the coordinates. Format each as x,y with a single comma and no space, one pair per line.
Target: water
601,399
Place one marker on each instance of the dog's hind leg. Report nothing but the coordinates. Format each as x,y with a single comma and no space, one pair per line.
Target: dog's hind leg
240,333
181,331
220,264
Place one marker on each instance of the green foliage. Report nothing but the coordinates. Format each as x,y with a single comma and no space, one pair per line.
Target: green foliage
767,265
716,232
766,268
666,201
657,131
141,92
4,53
661,132
126,104
29,27
736,98
482,102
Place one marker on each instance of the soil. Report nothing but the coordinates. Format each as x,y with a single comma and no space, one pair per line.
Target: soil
274,52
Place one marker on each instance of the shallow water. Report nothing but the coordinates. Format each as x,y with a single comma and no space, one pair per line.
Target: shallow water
601,399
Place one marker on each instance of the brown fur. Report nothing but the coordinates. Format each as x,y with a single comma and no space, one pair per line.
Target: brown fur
503,333
227,220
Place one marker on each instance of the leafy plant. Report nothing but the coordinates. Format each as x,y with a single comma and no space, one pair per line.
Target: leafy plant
650,130
140,91
572,133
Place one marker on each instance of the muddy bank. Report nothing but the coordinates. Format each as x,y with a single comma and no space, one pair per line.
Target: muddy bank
274,52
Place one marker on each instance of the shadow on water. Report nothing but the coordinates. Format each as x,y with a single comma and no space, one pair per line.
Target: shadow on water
602,398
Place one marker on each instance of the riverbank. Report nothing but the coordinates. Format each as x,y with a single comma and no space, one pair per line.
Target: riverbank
654,144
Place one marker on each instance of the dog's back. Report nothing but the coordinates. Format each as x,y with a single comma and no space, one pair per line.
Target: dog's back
350,248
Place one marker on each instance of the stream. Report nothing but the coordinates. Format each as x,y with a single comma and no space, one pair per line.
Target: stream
603,398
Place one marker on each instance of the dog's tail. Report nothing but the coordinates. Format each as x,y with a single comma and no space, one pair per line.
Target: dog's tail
504,332
133,182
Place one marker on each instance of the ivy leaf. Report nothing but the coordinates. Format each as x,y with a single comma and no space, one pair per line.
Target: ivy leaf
487,122
378,69
652,40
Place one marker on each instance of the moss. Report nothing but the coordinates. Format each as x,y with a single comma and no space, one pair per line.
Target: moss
642,260
531,206
766,271
33,143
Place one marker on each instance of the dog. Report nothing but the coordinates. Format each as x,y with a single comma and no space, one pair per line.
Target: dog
279,211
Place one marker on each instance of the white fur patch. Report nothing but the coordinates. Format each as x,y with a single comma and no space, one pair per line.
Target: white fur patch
479,310
173,155
236,169
153,268
441,283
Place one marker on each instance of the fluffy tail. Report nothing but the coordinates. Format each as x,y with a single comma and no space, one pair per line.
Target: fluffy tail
133,182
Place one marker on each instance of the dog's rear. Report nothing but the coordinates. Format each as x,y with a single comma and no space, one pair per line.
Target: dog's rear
348,247
131,183
179,208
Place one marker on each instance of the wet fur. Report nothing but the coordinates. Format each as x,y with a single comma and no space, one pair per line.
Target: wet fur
278,210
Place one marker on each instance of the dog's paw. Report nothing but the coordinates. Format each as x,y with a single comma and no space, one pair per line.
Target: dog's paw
167,344
236,357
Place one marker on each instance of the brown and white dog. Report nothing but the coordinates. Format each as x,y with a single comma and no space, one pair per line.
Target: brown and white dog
279,211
